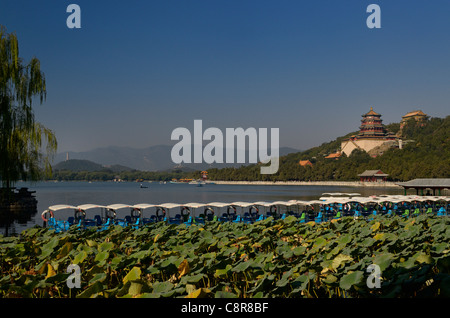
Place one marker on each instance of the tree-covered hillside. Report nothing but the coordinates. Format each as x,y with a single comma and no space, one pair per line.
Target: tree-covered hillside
425,155
78,165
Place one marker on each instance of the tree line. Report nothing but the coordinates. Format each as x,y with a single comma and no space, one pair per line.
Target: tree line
134,175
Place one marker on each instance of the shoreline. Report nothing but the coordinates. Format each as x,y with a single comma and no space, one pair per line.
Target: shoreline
315,183
283,183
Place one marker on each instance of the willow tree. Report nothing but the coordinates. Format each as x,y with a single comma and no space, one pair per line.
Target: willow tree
26,146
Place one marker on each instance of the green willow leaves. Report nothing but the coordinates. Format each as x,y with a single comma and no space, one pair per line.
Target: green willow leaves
21,137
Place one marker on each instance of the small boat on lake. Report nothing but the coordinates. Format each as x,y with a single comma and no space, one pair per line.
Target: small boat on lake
198,183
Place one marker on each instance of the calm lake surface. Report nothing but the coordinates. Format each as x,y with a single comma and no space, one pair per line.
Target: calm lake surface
105,193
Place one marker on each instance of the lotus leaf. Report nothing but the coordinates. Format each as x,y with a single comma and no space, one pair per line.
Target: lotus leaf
242,266
80,257
98,278
199,293
339,260
223,272
92,291
351,279
344,239
105,246
50,271
330,279
376,226
192,278
183,268
133,274
441,248
383,261
162,287
224,294
101,257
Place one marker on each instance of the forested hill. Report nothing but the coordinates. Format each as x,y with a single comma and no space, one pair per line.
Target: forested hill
426,155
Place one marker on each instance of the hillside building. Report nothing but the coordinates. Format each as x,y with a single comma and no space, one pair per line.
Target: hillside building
305,163
373,176
334,156
419,116
372,134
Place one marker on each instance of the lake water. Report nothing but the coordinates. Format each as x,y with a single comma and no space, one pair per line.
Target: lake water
105,193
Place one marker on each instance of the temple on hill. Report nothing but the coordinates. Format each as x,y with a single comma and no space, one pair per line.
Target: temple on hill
419,116
372,134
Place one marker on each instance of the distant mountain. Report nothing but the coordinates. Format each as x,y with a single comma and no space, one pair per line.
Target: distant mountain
154,158
147,159
78,165
87,165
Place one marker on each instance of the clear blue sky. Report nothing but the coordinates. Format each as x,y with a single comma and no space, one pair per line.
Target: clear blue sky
136,70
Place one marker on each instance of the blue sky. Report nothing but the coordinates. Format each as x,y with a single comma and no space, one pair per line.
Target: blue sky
136,70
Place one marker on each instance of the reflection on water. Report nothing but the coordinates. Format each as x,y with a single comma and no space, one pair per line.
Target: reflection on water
18,207
105,193
13,221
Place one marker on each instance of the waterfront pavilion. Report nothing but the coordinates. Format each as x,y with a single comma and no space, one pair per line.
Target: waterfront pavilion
423,185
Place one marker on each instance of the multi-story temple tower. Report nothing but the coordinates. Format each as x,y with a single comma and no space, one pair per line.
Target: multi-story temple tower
372,126
372,134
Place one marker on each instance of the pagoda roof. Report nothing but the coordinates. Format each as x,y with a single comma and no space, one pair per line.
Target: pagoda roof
372,113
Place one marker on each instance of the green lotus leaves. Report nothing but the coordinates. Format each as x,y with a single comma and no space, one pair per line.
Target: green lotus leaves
80,257
340,260
383,260
351,279
330,279
271,258
105,246
101,257
133,274
162,287
92,291
67,247
224,294
241,267
222,272
98,278
299,250
441,248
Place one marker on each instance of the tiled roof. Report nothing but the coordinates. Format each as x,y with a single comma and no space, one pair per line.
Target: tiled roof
415,113
305,163
333,155
372,113
370,173
433,182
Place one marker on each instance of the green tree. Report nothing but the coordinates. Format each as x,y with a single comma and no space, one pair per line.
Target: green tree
26,146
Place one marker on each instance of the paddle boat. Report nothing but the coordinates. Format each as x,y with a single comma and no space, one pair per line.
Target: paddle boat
322,210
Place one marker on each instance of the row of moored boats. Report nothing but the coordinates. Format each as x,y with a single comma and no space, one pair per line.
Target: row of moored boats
329,206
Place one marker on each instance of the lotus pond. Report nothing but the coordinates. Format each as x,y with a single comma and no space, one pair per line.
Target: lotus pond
266,259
